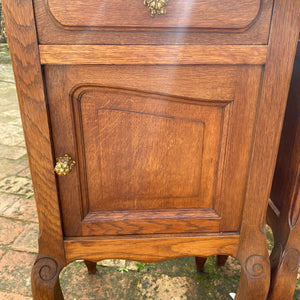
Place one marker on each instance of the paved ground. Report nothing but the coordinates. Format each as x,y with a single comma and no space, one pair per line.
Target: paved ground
115,279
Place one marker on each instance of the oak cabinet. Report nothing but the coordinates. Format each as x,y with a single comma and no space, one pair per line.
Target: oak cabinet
164,122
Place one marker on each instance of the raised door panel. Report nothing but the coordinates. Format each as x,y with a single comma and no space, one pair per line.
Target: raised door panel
144,157
142,152
150,162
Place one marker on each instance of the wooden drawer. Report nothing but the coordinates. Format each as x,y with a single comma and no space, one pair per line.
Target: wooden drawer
185,22
229,14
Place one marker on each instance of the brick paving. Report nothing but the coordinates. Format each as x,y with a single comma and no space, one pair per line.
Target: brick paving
114,279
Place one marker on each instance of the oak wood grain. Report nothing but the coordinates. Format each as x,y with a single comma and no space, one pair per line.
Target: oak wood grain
145,55
210,83
150,248
149,222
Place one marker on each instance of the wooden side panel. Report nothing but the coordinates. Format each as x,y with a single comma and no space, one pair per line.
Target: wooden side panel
229,14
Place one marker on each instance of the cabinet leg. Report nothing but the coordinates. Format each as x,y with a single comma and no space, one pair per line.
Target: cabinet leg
285,264
200,261
45,279
91,266
221,260
255,278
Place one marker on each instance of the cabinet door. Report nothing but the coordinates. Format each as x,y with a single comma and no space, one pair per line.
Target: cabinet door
157,155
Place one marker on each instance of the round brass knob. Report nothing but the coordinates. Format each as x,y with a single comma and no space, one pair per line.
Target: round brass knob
64,165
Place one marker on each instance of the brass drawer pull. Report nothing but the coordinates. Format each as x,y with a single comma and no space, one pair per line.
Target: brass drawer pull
64,165
156,7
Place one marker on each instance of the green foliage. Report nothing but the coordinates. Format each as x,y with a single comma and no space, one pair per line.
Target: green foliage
122,269
141,266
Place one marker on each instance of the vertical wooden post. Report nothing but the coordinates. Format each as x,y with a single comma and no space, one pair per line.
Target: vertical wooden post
23,44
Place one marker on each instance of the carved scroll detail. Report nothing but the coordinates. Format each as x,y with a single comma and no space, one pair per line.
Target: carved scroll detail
47,268
291,260
255,266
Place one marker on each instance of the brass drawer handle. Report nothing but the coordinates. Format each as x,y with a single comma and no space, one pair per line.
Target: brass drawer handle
64,165
156,7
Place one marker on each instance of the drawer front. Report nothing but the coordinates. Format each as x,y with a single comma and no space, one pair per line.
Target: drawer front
185,22
230,14
158,149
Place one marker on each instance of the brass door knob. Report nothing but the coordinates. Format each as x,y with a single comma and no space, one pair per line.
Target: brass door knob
64,165
156,7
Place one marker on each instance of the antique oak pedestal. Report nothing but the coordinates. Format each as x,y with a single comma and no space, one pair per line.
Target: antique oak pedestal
284,208
163,122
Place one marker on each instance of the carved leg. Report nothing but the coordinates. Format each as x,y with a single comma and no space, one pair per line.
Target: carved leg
255,263
255,278
91,266
45,280
200,261
285,264
221,260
